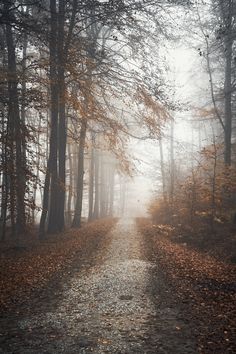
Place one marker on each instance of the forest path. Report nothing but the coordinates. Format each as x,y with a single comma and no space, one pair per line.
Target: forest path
115,303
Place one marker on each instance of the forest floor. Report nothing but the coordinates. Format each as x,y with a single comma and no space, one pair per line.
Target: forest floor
200,280
120,292
220,243
28,264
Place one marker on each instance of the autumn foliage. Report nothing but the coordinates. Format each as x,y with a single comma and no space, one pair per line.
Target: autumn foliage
204,283
205,194
29,268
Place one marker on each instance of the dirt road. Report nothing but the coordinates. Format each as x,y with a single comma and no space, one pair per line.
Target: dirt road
116,301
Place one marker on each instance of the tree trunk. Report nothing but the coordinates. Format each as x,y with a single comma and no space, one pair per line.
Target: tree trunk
91,184
23,110
102,187
17,137
53,222
79,199
45,203
75,173
122,196
62,117
96,211
4,201
228,99
111,187
5,174
69,218
163,177
5,191
38,159
172,167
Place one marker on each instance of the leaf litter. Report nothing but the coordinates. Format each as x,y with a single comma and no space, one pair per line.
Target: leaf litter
205,284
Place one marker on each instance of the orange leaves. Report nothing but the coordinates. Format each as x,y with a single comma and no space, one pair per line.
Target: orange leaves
33,267
205,113
207,285
151,102
154,114
157,209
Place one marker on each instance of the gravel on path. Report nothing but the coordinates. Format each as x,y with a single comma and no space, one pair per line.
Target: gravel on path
117,302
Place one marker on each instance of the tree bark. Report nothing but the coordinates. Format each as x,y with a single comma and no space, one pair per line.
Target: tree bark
53,222
5,187
228,97
79,199
172,162
69,218
163,176
102,187
62,117
17,136
5,172
96,211
91,184
111,187
45,203
23,111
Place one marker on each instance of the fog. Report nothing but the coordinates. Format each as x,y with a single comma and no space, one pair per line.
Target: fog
188,76
115,109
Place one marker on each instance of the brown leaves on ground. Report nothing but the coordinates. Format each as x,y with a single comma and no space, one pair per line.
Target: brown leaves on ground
25,269
207,285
